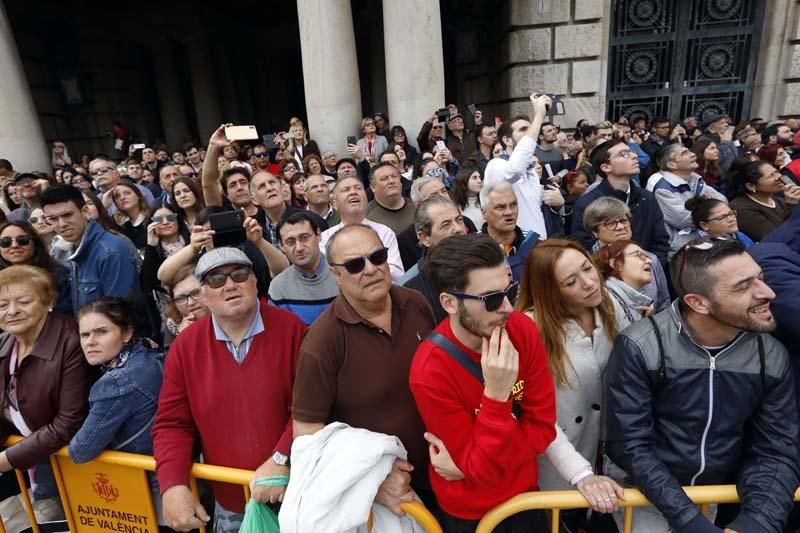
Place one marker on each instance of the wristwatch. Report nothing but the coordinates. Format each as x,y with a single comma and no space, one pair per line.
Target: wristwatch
280,459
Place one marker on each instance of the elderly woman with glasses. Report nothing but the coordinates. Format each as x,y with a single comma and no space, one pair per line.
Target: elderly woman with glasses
626,269
754,190
609,220
44,377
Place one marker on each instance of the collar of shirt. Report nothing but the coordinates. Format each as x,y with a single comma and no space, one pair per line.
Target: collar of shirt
323,264
239,352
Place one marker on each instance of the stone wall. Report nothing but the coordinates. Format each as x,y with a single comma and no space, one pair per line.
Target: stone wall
559,47
776,92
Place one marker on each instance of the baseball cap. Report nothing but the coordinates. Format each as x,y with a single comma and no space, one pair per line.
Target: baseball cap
220,257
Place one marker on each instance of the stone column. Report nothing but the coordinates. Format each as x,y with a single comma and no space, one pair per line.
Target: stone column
170,99
414,73
204,87
330,72
21,138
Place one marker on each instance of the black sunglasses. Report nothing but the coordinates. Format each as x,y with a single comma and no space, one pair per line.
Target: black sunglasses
356,265
172,217
215,281
260,154
493,300
22,240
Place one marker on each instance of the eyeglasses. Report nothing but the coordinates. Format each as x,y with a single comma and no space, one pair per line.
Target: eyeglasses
8,242
260,154
494,300
624,154
52,220
638,254
703,244
215,281
722,218
190,174
357,265
435,172
303,239
101,171
160,219
183,299
614,224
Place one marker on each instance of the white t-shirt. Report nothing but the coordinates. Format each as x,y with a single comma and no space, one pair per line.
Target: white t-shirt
388,238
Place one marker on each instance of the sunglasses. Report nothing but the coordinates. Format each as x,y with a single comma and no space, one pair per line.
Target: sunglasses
215,281
703,245
160,219
357,265
434,172
190,174
493,300
35,220
22,240
260,154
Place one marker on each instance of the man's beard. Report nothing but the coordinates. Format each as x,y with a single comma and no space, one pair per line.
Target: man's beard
471,325
743,321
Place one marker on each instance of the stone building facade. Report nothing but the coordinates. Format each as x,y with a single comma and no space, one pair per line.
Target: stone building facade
163,69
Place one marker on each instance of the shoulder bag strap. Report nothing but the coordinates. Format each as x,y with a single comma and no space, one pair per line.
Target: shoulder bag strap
456,353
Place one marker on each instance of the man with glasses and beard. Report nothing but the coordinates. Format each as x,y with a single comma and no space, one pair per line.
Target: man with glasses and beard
214,382
483,388
355,359
701,394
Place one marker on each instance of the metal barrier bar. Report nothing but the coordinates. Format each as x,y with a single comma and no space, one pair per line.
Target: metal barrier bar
234,476
572,499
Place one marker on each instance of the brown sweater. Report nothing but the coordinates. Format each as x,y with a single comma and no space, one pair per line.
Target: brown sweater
756,220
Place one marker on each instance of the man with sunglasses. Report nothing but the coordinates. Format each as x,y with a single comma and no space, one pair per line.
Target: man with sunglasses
431,131
617,164
103,264
701,394
355,359
214,382
483,388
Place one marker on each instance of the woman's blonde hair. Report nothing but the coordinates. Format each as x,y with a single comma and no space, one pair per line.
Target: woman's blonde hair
37,279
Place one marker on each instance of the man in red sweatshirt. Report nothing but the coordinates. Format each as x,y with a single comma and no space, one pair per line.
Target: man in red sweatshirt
482,386
228,380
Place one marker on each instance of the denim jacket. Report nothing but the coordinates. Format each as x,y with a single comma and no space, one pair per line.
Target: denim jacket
103,265
122,405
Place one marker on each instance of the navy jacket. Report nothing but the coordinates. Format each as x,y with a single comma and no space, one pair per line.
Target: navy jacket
707,421
648,227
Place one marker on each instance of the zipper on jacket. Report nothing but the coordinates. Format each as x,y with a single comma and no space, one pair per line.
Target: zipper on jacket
712,365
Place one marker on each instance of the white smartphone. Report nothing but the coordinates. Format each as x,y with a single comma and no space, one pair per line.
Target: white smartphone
139,146
440,146
241,133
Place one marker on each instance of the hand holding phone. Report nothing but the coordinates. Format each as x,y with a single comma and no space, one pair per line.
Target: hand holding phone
228,228
241,133
351,140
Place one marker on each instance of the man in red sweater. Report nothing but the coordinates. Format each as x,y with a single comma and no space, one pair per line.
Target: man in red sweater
228,381
482,386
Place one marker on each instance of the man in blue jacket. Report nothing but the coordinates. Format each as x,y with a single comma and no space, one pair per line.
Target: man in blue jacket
103,263
617,164
702,395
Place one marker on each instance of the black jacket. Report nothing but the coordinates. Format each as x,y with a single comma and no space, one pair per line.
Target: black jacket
648,226
707,421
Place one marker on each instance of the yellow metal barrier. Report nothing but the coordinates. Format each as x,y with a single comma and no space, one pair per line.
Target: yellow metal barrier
234,476
556,500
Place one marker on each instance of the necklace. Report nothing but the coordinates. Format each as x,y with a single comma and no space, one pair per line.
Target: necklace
771,205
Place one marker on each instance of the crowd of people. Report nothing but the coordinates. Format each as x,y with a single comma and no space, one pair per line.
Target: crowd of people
501,308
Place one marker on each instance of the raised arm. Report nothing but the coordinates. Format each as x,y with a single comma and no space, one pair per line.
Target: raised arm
211,190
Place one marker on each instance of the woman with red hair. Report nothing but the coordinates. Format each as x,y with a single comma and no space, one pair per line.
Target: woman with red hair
562,290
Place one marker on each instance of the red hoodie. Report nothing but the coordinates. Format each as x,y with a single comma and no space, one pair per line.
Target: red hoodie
496,452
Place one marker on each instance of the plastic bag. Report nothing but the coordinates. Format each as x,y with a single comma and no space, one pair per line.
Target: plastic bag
258,518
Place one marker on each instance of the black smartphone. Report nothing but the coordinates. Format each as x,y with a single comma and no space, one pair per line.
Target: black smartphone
228,228
351,140
557,106
442,115
269,140
472,108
